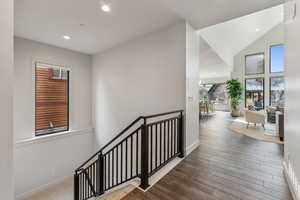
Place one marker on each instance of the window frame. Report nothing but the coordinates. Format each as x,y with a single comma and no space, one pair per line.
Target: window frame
68,97
255,54
263,83
270,67
279,76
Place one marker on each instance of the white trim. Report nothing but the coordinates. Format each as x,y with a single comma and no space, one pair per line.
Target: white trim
41,188
292,186
34,63
192,147
42,64
50,137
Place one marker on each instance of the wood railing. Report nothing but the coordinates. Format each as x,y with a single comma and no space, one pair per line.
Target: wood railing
139,154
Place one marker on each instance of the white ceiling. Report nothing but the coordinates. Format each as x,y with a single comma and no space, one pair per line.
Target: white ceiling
229,38
211,64
47,20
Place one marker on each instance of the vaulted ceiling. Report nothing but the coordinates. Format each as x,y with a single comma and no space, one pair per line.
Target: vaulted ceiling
93,31
229,38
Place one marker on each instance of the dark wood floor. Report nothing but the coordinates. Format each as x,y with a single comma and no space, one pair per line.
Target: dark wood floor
226,166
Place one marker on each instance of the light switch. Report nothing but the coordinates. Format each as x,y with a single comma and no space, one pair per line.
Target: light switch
290,11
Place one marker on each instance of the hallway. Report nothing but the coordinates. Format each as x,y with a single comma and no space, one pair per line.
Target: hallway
226,166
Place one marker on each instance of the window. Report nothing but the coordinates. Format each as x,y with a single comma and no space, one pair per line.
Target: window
254,64
254,93
276,59
214,92
277,91
51,99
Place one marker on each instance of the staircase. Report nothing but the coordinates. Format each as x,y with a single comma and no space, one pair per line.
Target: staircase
154,141
213,89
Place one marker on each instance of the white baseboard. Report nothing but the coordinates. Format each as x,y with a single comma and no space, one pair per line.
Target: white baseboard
293,185
192,147
41,188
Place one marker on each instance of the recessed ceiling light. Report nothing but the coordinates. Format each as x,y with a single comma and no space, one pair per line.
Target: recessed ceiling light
105,7
66,37
257,29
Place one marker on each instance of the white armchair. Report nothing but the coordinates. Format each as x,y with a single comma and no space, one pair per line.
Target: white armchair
256,117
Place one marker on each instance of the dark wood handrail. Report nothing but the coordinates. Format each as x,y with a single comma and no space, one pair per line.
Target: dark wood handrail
126,129
116,137
162,114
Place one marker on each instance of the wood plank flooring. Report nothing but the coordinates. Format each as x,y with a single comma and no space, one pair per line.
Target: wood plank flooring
226,166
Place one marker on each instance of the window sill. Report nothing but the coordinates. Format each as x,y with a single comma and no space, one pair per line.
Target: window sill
50,137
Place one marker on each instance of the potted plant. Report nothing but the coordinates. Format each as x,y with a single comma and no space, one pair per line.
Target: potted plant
235,92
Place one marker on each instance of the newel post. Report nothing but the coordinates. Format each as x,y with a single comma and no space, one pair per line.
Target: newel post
144,156
76,186
100,172
181,135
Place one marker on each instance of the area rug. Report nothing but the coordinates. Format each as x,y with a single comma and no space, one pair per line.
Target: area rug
255,132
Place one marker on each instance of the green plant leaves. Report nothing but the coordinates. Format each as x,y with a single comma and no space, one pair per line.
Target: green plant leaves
234,89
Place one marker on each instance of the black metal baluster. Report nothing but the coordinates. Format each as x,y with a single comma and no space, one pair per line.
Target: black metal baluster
121,161
168,157
151,149
105,174
113,168
81,185
126,159
156,150
137,154
177,135
165,145
93,175
108,167
117,164
85,186
160,141
131,154
88,176
172,134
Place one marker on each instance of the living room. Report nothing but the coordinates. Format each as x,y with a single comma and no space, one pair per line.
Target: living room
250,53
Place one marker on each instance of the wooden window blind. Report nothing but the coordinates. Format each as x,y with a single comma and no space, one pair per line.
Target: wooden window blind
51,99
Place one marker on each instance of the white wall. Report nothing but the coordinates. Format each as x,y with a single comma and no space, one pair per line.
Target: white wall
212,66
292,110
221,79
192,87
6,97
140,77
41,160
262,45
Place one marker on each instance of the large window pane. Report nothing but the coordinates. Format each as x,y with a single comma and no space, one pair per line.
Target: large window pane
254,92
254,64
51,99
277,59
277,91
